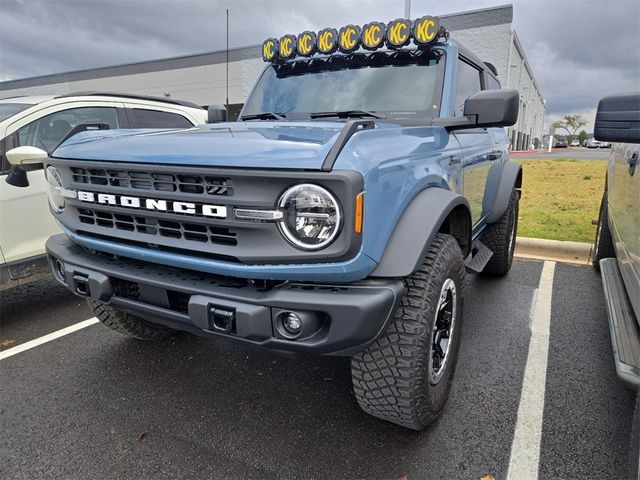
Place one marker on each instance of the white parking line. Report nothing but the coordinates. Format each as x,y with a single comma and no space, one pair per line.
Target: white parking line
525,449
47,338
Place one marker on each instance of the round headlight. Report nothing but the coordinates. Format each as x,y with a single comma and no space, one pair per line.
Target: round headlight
54,181
311,216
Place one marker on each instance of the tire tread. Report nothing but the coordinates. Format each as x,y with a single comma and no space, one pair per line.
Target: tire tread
496,237
390,378
128,324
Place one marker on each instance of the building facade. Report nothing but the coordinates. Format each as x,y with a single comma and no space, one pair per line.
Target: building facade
202,78
489,34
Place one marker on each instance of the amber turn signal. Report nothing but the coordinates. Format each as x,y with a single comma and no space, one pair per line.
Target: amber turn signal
359,212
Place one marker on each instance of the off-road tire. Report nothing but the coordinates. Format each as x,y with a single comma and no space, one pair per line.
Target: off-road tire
128,324
500,238
391,377
603,243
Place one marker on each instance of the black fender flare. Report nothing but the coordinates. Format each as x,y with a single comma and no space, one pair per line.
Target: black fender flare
501,180
431,211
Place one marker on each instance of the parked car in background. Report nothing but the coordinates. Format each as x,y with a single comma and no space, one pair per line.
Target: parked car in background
575,143
593,143
45,122
617,243
561,143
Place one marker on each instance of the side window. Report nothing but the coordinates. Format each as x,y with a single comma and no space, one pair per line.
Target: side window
48,131
468,84
143,118
492,83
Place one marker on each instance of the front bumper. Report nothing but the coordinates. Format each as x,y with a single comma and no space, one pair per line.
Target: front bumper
343,319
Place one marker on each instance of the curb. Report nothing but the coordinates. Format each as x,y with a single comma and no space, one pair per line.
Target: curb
568,252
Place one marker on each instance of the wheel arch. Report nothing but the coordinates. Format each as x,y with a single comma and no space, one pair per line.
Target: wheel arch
501,181
432,211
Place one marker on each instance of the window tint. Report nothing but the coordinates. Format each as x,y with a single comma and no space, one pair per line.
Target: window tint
47,132
143,118
468,84
492,83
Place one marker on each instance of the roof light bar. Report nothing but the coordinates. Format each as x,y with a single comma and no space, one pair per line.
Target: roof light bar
374,35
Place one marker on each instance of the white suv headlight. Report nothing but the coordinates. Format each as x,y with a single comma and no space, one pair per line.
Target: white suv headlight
311,216
55,187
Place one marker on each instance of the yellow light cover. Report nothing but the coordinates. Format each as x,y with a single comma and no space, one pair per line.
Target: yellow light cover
398,33
306,44
349,38
269,49
287,46
425,30
327,40
373,35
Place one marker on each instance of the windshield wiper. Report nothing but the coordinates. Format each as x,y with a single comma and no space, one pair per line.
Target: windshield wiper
346,114
264,116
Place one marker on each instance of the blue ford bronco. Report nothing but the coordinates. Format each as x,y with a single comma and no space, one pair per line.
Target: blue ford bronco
368,172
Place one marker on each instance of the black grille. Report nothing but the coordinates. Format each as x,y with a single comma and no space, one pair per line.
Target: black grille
160,182
154,226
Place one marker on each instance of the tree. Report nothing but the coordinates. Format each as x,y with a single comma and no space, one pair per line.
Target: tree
582,137
571,124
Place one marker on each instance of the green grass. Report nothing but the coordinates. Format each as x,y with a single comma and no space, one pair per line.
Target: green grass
560,198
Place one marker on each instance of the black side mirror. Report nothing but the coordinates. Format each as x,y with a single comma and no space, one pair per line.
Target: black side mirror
216,114
618,119
17,177
493,108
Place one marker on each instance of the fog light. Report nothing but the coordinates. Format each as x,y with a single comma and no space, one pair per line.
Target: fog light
60,269
292,323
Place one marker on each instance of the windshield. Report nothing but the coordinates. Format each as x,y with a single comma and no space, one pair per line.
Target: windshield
9,109
402,84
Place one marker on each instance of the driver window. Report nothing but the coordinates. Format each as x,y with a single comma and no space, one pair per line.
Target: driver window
468,83
47,132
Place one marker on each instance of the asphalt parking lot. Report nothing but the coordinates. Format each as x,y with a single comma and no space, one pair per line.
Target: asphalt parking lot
95,404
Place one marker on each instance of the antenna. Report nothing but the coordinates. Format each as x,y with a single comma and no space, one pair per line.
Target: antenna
227,58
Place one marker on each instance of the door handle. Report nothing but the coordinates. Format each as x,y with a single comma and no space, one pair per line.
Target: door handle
632,161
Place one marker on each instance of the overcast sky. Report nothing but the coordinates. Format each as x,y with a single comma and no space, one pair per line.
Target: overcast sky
579,50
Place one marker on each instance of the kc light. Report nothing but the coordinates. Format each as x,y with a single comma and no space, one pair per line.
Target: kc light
270,49
311,216
425,30
398,33
349,38
55,188
327,40
287,46
306,44
373,35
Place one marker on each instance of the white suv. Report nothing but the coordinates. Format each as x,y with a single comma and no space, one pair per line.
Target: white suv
44,122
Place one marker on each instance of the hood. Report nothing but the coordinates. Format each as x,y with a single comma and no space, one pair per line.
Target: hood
260,144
